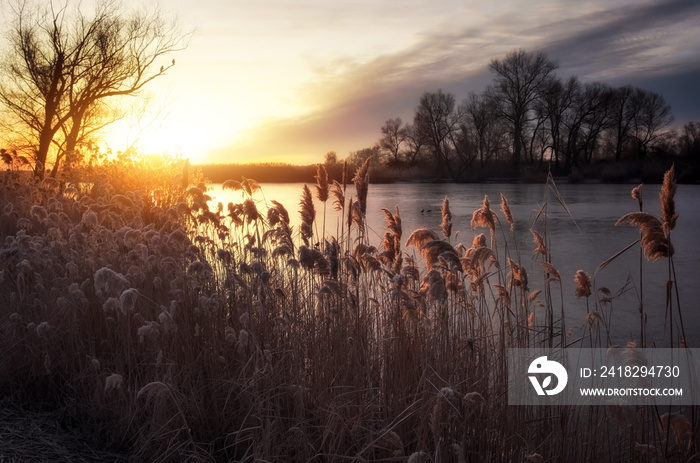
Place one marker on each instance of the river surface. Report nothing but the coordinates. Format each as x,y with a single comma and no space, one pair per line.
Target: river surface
583,244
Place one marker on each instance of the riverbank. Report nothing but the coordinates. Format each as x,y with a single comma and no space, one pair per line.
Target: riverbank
624,172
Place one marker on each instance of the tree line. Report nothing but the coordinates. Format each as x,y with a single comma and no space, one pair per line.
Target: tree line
529,118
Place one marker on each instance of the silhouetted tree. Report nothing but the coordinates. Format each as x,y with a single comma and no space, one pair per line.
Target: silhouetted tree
393,137
466,150
653,117
519,80
415,145
596,103
575,115
436,123
480,113
63,68
357,158
638,118
330,158
689,140
532,116
622,115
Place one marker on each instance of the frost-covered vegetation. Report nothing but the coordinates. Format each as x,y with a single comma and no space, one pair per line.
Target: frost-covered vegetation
171,330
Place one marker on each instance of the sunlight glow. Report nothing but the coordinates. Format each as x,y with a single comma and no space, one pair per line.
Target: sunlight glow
190,129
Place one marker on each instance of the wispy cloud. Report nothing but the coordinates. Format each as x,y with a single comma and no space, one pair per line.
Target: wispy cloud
659,37
351,97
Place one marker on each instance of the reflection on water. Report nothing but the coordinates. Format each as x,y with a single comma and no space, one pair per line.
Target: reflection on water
585,244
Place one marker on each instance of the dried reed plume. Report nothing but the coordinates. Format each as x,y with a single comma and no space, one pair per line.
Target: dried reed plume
234,212
476,259
356,216
583,284
114,381
308,214
277,213
433,249
539,241
637,194
393,222
668,205
339,194
533,295
654,241
518,275
484,216
153,389
331,250
322,183
389,246
246,186
433,286
453,283
250,210
361,181
446,224
450,260
503,294
552,273
6,158
592,317
506,210
312,258
421,236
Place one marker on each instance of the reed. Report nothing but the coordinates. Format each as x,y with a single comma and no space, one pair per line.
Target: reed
172,329
308,215
446,224
322,189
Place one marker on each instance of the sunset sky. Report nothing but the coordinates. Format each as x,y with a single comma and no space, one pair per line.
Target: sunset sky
288,81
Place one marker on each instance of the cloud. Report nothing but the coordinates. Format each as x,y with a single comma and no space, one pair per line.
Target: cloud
654,37
655,46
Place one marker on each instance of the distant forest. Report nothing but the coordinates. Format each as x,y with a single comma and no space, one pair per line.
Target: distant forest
526,123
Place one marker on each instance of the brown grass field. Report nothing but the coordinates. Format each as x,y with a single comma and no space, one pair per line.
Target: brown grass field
150,327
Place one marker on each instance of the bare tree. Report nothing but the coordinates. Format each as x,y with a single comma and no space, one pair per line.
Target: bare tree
415,145
64,67
437,122
653,116
393,137
637,119
330,158
689,140
520,77
357,158
624,111
480,114
556,99
596,101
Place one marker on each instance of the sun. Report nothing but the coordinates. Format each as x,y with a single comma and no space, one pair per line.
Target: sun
174,140
157,140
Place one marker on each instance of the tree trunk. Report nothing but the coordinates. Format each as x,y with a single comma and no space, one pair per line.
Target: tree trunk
48,130
71,142
517,145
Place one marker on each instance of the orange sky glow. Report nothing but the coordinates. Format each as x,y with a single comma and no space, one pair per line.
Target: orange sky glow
278,81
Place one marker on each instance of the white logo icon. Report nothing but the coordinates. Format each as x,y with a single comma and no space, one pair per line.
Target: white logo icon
552,368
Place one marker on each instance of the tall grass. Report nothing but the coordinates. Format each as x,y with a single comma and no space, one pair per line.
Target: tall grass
175,332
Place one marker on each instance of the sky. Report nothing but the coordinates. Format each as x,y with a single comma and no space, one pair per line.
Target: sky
288,81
